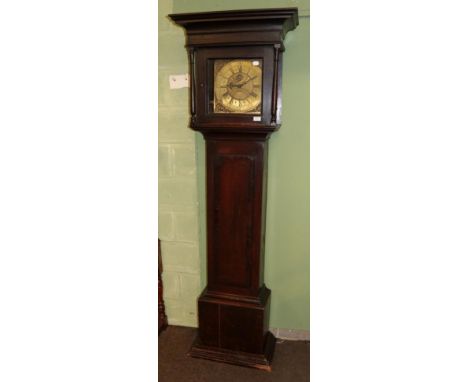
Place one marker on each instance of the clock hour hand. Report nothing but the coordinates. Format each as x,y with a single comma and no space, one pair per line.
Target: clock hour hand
232,85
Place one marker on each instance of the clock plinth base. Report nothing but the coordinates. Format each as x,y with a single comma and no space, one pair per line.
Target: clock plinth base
234,329
260,361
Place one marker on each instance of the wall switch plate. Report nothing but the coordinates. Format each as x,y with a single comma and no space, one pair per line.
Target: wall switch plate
178,81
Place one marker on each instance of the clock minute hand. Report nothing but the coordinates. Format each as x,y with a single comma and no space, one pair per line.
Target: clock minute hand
243,83
232,85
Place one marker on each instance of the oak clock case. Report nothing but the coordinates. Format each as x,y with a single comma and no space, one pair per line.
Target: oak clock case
235,63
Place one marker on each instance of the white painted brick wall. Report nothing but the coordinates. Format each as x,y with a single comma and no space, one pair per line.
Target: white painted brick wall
178,193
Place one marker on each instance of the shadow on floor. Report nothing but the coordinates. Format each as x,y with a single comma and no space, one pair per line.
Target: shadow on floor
290,362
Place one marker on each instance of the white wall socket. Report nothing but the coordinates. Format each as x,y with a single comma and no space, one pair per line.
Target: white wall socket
178,81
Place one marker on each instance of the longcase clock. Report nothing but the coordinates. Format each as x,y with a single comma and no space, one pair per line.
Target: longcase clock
235,60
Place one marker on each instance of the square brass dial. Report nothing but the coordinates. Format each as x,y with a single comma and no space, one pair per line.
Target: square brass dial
237,86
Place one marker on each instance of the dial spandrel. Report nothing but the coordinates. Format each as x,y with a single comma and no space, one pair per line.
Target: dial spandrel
237,86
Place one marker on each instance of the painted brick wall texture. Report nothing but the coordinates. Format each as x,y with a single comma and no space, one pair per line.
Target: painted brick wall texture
178,198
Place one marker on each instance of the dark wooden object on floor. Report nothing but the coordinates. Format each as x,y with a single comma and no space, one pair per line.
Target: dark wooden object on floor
162,318
233,310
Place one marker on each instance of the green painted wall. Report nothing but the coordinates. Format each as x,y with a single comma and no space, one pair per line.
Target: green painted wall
287,232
